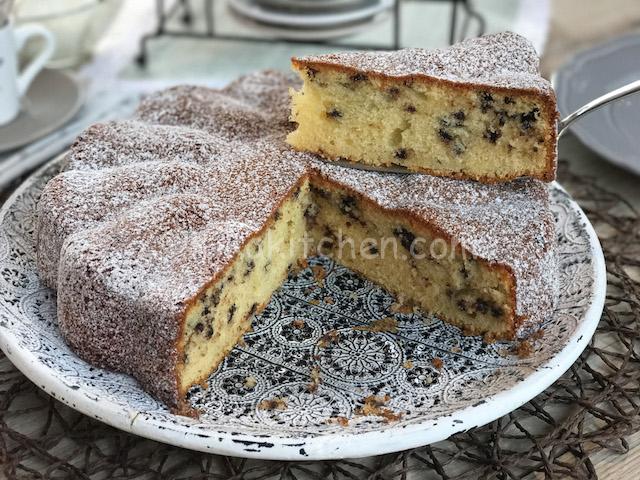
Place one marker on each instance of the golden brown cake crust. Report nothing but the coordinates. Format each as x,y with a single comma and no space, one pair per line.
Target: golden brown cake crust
149,211
503,63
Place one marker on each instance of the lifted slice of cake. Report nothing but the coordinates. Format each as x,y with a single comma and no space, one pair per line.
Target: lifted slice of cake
478,110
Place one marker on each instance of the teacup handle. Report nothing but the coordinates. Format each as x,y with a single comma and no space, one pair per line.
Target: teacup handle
21,35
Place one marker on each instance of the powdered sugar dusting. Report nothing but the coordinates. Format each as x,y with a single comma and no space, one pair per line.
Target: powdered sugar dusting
149,210
504,59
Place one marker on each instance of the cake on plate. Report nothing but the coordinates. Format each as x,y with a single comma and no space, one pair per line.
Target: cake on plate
478,110
164,234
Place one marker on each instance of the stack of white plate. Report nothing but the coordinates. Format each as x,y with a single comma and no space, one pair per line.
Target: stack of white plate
311,20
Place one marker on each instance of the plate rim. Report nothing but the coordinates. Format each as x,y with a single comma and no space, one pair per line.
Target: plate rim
321,447
561,77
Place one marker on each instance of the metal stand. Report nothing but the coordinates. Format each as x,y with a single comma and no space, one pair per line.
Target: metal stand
184,10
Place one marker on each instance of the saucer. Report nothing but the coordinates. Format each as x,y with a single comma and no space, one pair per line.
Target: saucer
53,98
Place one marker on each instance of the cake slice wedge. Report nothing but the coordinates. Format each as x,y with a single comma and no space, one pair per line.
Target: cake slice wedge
478,110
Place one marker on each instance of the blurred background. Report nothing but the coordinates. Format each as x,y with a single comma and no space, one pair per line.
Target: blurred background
109,52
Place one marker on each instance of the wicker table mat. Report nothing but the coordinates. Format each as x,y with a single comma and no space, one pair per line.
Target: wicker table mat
592,407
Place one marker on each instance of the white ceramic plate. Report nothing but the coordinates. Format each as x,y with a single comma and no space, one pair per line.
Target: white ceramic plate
613,131
324,19
477,384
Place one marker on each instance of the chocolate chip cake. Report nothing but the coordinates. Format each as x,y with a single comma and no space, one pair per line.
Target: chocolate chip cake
478,110
164,234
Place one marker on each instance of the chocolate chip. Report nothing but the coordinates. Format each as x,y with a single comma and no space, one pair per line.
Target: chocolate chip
496,311
215,297
209,332
328,245
528,119
458,147
334,113
462,305
206,311
410,109
486,101
199,328
319,191
460,117
250,266
311,212
444,135
277,215
401,154
405,236
311,72
231,313
502,117
464,272
481,306
394,92
509,100
329,233
372,249
358,77
348,205
491,135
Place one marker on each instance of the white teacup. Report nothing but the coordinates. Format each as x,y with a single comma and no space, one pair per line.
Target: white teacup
14,84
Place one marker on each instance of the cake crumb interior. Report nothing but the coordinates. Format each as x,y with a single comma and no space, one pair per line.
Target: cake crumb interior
322,217
424,127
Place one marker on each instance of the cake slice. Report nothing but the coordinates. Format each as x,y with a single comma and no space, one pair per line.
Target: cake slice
478,110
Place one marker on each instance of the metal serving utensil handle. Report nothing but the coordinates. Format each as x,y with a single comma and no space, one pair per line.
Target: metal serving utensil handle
596,103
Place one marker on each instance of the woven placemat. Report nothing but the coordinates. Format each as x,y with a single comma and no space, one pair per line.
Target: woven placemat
593,406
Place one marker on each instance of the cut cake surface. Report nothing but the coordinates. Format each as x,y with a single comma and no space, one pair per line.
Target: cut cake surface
477,110
166,233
